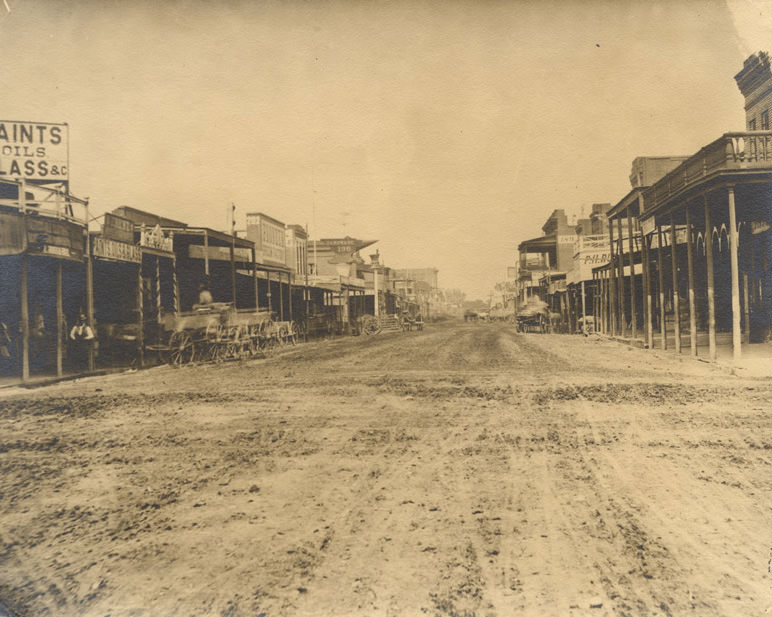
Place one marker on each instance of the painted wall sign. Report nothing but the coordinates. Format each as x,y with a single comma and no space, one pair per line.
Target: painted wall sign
54,238
118,228
220,253
35,151
119,251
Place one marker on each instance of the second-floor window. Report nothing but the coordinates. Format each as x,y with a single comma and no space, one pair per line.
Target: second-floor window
752,125
765,120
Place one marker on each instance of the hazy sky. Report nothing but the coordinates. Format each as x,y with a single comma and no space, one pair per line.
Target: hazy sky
448,131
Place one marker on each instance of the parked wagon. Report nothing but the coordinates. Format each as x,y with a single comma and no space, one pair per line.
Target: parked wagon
216,332
533,316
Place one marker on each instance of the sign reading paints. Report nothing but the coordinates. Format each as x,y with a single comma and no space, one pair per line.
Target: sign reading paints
35,151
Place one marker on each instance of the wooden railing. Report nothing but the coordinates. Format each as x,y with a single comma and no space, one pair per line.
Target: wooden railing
731,151
48,202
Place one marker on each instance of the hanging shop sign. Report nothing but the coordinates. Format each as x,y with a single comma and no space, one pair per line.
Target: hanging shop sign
54,238
118,251
34,151
118,228
219,253
13,237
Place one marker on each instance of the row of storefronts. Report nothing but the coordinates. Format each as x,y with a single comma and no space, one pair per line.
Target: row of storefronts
123,281
683,260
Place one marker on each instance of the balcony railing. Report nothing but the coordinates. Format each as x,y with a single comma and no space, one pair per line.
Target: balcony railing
590,243
48,202
730,152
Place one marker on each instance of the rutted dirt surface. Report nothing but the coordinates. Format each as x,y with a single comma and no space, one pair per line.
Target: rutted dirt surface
462,471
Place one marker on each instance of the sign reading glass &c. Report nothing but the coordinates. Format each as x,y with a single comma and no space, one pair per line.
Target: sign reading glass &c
34,151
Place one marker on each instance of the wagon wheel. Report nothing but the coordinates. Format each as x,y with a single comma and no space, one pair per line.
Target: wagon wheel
230,342
371,326
242,342
181,349
282,335
214,340
292,335
301,329
252,344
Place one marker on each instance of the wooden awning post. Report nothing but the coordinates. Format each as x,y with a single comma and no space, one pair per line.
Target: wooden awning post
710,281
90,294
734,263
206,253
603,302
233,272
612,304
631,244
661,282
268,277
746,310
289,292
175,287
254,281
647,291
690,273
676,300
140,318
621,275
281,298
24,318
60,331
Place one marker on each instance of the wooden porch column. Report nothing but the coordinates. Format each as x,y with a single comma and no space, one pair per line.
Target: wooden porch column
90,299
60,333
611,285
24,319
690,268
281,299
676,302
206,253
647,291
621,284
733,241
140,319
268,278
584,309
604,302
661,281
746,310
254,280
710,282
233,274
633,318
289,291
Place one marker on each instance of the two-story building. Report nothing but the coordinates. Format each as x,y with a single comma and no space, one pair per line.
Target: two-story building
705,237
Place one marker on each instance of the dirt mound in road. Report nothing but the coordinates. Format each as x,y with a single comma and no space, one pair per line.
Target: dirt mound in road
445,389
641,393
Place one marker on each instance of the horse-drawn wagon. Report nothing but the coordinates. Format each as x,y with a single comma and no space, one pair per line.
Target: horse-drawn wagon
533,316
219,331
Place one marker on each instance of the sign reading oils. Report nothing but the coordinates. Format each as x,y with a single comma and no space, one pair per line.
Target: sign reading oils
35,151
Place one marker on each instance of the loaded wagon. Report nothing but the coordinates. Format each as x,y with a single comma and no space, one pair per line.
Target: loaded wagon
533,316
219,331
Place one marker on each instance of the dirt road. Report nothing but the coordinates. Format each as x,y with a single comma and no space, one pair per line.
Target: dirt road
465,471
